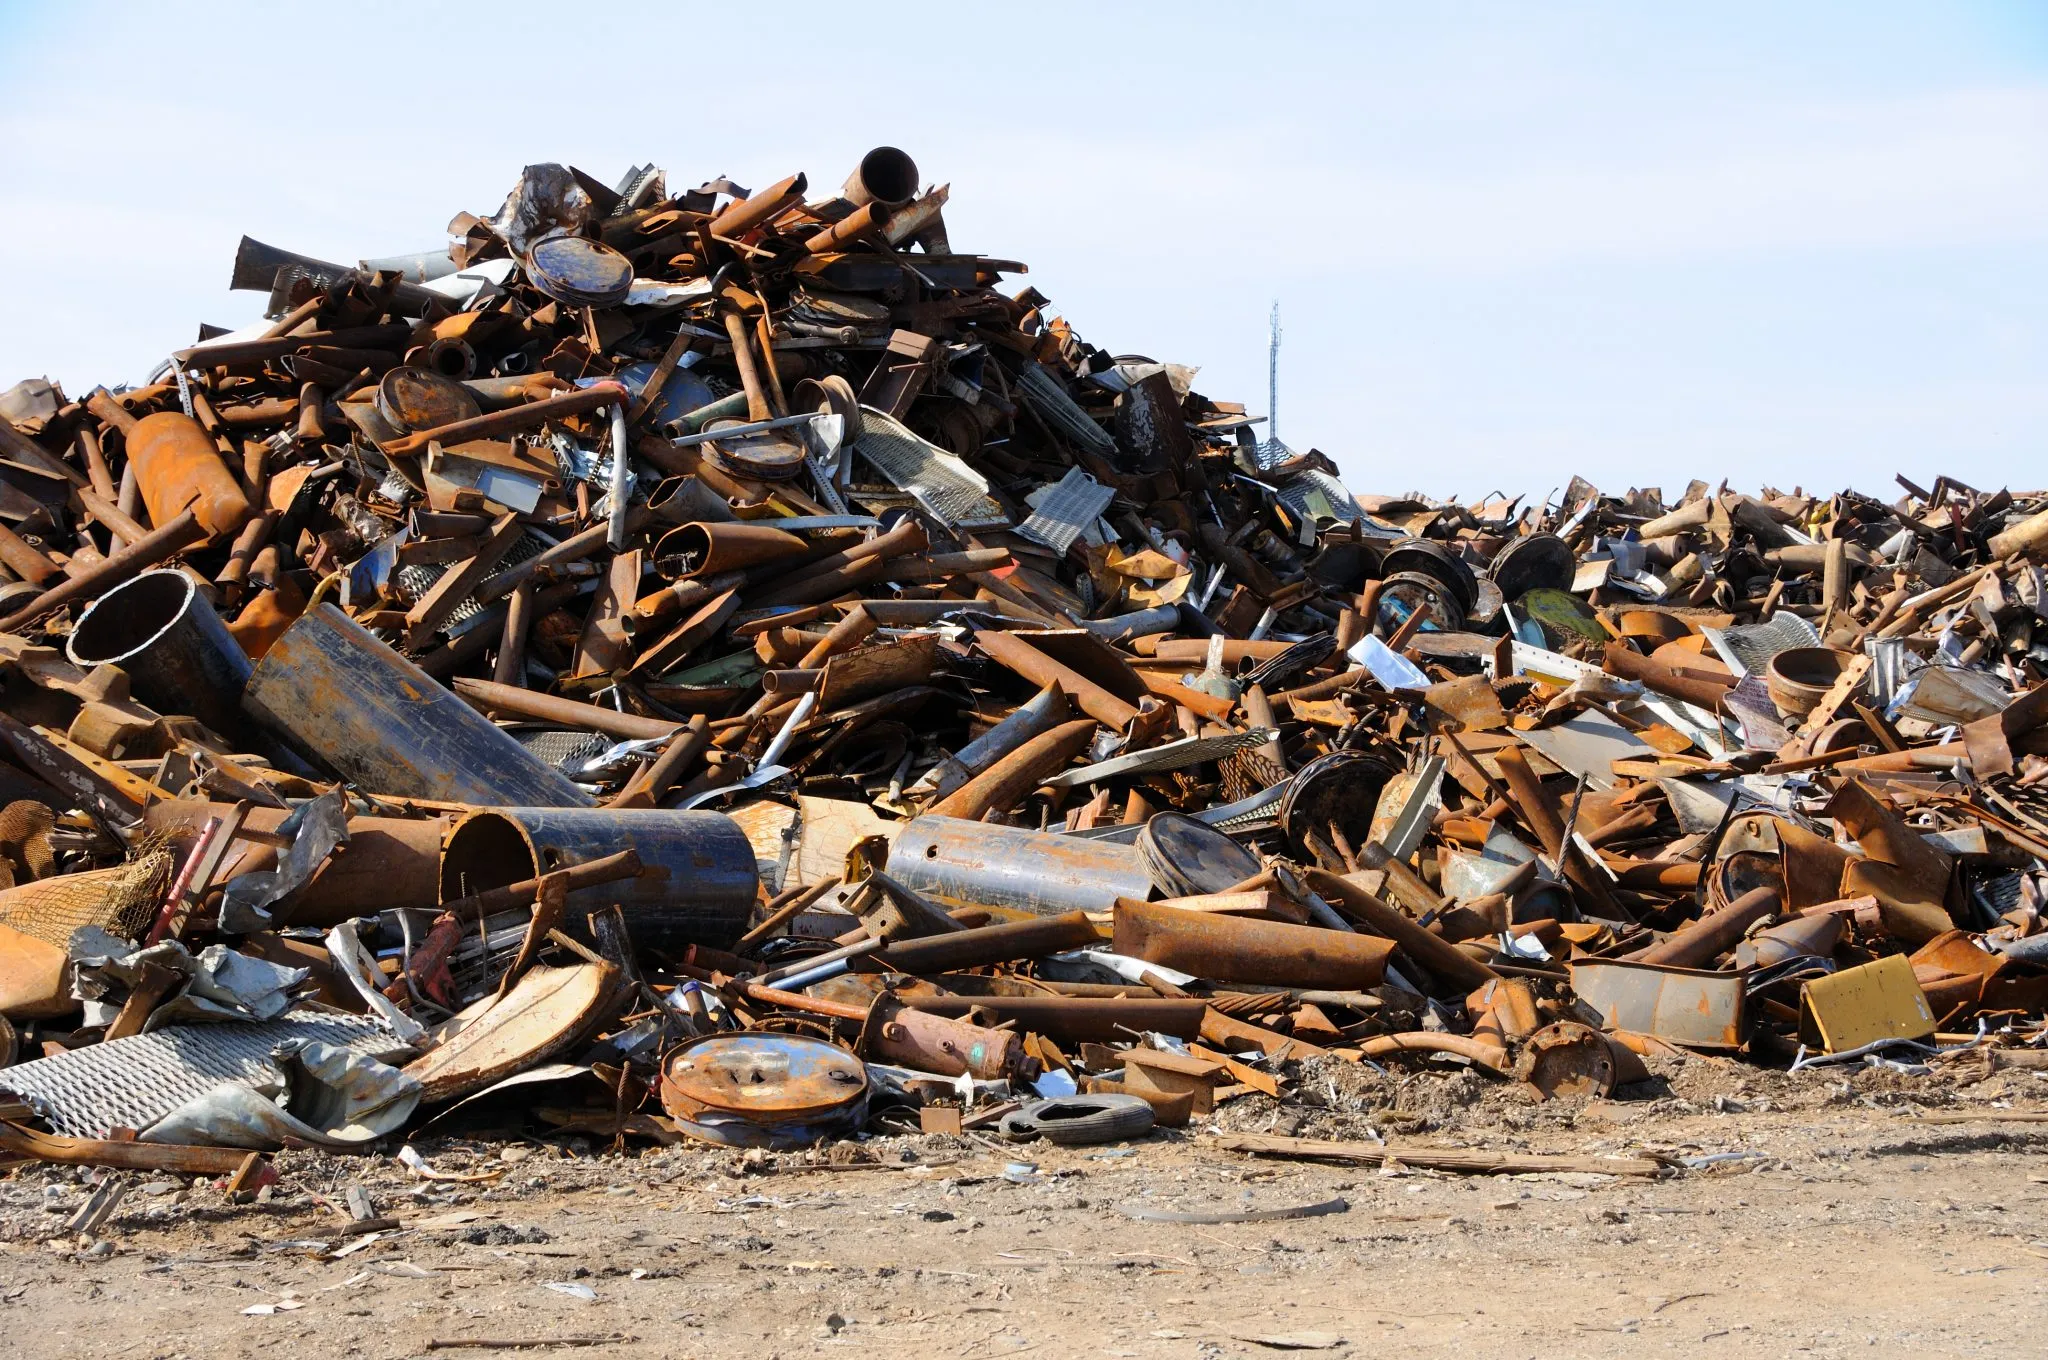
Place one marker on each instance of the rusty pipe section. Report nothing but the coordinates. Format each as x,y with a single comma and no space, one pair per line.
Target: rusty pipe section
865,220
700,549
386,861
986,945
737,219
179,467
1082,1019
998,788
885,175
1014,654
1034,718
830,576
511,420
339,696
526,703
1239,949
1433,952
698,883
155,547
1700,942
664,606
179,656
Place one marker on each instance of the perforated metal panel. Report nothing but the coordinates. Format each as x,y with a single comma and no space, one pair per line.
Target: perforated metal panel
946,487
132,1083
1067,510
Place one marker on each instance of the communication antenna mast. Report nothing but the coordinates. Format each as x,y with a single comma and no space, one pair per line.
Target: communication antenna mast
1273,378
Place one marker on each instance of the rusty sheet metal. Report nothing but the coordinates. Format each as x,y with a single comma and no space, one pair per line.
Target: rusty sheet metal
1684,1005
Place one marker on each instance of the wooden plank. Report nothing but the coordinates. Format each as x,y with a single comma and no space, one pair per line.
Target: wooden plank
1465,1160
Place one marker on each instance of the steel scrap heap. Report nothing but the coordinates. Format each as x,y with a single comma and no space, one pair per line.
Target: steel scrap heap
725,665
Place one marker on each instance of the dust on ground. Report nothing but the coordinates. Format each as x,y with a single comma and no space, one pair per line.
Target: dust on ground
1827,1212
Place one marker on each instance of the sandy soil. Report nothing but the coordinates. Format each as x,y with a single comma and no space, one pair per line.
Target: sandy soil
1856,1215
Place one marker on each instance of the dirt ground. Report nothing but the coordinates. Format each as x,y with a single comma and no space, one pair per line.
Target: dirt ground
1831,1212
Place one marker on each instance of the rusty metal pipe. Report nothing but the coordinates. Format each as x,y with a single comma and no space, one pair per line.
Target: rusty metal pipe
1489,1056
1240,949
907,537
1038,716
342,697
511,420
388,861
179,467
885,175
1082,1019
862,221
490,696
712,549
167,542
998,788
985,945
1622,660
1019,657
25,560
1433,952
652,612
1699,943
739,218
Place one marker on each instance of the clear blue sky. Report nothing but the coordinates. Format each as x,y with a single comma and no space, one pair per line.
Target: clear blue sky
1794,244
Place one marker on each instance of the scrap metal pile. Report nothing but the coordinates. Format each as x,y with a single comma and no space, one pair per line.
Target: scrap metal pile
725,665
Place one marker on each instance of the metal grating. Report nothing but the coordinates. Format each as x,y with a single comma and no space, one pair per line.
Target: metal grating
1062,412
947,488
1066,511
415,581
131,1083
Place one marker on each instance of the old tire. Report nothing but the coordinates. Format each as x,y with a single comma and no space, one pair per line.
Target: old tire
1078,1121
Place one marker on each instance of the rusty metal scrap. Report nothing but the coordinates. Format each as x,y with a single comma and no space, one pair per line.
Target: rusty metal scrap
750,660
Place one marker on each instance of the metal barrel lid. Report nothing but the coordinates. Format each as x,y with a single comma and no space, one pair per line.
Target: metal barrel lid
579,271
762,1077
1188,858
419,399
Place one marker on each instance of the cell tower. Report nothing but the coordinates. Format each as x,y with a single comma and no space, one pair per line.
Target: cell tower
1273,378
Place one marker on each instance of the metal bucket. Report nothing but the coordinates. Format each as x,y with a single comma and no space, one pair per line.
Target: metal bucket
705,897
179,656
339,696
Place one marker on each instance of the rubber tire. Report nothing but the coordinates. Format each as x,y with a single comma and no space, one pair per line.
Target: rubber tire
1082,1121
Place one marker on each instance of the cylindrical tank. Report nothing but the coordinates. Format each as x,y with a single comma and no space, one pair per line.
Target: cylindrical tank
984,864
705,896
178,465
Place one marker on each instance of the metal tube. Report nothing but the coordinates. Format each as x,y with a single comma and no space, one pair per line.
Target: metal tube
526,703
1239,949
344,698
1012,653
1086,1019
998,788
512,419
704,897
1041,714
986,945
179,656
622,478
984,864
